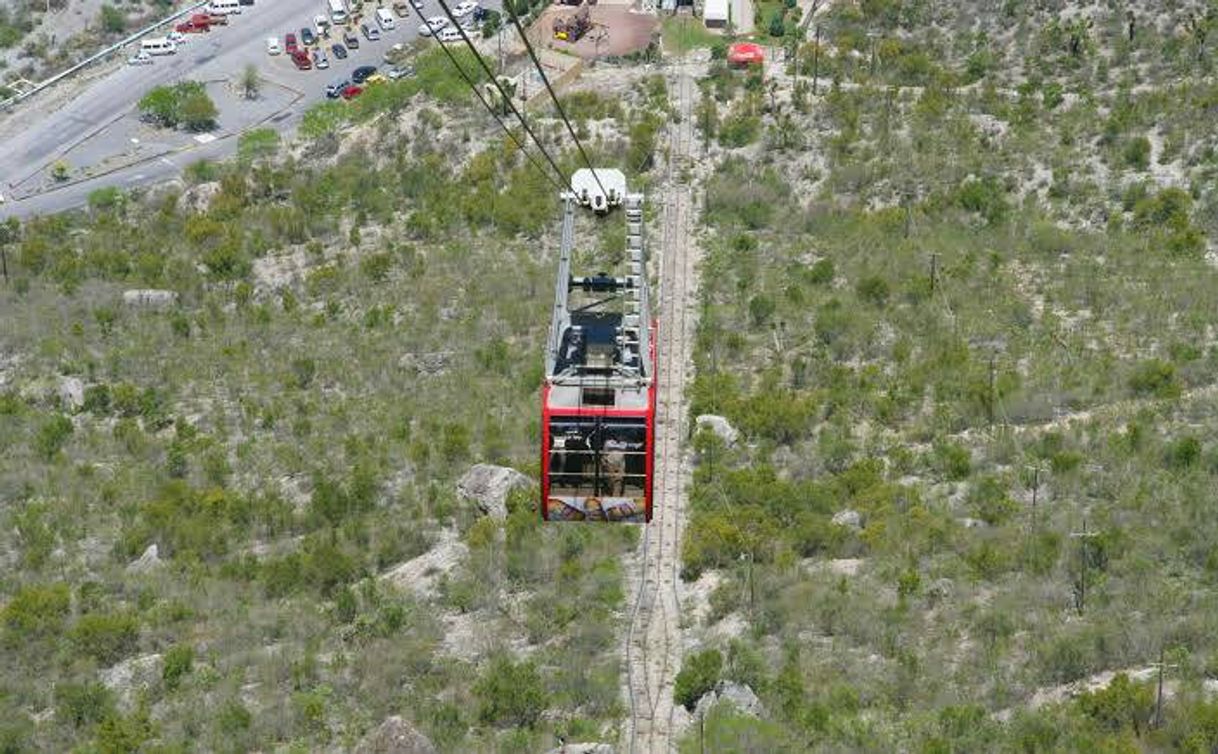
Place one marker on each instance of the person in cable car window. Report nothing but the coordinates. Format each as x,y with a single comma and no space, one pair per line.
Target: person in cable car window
613,466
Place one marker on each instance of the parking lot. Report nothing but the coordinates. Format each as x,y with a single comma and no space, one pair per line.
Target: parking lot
83,132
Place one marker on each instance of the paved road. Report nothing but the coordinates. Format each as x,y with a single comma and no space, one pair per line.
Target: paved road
222,53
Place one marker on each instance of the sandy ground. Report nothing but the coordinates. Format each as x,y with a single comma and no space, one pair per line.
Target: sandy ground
616,30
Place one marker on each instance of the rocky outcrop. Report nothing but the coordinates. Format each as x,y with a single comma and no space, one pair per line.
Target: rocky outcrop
719,425
198,198
71,392
582,749
149,561
131,676
394,736
150,298
419,575
488,486
738,695
848,518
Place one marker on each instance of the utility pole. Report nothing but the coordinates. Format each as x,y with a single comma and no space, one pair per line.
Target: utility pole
1159,696
934,270
990,402
1035,491
816,61
1082,537
748,556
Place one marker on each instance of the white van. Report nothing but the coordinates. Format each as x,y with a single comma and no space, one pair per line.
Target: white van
385,19
338,11
158,46
224,7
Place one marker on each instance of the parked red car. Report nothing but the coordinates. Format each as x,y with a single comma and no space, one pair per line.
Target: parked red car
289,44
190,27
202,20
353,91
301,59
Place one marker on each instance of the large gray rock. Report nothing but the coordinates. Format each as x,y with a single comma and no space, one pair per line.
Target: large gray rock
582,749
149,561
150,298
394,736
132,676
71,393
488,487
738,695
848,518
719,425
420,575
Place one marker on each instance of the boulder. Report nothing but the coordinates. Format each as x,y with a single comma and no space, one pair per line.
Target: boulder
131,676
848,518
150,298
394,736
488,487
198,198
719,425
582,749
419,575
71,393
738,695
149,561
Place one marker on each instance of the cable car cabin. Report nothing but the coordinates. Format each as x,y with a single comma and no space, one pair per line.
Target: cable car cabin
599,399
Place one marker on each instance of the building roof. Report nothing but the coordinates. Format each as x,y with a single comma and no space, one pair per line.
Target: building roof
715,10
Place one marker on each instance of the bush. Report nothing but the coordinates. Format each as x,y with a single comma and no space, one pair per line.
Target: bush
1137,153
1154,377
106,638
179,661
83,704
52,435
510,694
698,675
185,103
37,611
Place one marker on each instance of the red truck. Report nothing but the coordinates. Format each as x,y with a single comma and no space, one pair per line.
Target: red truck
191,27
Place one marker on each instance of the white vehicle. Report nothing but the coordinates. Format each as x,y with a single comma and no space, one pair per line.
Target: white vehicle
272,46
140,58
225,7
432,25
176,37
418,5
321,22
158,46
338,11
384,19
464,8
449,35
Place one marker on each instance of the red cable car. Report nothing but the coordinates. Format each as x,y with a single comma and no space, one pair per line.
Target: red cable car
599,397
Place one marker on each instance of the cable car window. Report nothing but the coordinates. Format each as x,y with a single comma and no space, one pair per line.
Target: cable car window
597,468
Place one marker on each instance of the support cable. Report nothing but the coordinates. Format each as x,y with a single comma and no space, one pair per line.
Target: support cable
562,114
495,80
519,145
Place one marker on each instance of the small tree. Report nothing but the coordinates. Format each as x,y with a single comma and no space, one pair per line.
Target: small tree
160,105
510,694
698,675
251,83
60,171
113,20
198,112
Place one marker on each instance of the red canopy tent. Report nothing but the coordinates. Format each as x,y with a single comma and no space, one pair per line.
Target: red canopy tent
745,53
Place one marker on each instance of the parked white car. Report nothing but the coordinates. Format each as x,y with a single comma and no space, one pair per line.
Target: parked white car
448,35
321,22
464,8
176,37
140,58
432,25
272,46
418,5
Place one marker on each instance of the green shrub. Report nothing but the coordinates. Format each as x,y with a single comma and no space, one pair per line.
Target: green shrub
179,661
1137,153
37,611
1155,378
510,694
873,290
52,436
953,461
106,637
83,704
699,674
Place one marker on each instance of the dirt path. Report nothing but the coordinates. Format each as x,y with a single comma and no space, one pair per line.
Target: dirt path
653,642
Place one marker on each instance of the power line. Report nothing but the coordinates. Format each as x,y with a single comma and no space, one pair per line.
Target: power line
546,80
452,58
495,80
